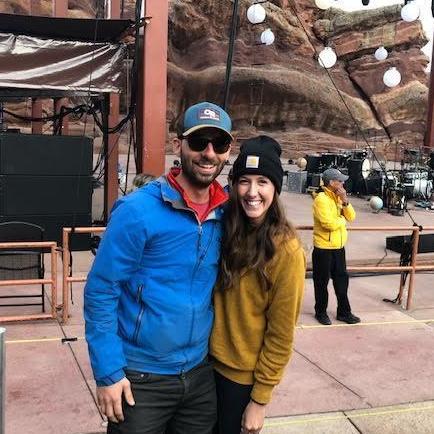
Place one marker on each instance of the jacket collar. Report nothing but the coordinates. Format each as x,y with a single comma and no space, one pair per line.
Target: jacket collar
173,193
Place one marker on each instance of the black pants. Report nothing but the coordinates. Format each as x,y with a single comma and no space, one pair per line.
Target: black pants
328,263
232,399
170,404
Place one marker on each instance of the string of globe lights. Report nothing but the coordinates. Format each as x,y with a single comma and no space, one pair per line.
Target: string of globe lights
256,14
327,58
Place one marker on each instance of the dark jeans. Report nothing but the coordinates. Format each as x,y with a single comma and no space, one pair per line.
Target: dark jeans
170,404
232,399
328,263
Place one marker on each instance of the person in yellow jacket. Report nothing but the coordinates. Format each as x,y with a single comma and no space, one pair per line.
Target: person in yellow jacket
331,211
259,292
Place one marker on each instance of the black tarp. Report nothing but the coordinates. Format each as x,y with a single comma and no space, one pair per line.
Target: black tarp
75,29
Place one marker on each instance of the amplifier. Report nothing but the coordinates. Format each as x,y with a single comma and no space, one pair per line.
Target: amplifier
396,243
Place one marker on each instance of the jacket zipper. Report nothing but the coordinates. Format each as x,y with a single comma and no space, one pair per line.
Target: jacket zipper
139,317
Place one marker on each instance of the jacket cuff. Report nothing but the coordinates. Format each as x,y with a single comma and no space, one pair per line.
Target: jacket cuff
111,379
261,393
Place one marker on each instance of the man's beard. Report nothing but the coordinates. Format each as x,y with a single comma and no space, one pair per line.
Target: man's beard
197,179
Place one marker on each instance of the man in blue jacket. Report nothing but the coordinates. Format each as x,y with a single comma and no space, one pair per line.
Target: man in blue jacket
147,300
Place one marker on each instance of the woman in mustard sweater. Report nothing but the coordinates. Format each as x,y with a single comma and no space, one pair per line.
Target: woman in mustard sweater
259,292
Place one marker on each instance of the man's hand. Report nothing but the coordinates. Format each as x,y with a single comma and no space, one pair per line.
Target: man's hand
342,194
110,399
253,418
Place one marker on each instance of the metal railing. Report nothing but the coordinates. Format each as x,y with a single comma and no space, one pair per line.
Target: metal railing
2,380
412,268
21,282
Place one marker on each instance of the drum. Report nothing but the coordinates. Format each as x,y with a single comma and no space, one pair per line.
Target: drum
410,177
423,188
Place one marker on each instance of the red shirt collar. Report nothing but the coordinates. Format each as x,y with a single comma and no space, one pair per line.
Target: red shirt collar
217,196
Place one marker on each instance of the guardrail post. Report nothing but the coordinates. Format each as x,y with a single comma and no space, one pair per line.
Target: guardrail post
413,266
66,265
2,380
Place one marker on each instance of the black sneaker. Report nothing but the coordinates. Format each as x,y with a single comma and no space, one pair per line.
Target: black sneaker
349,318
323,318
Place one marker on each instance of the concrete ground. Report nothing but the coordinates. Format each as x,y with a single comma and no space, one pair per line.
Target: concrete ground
376,377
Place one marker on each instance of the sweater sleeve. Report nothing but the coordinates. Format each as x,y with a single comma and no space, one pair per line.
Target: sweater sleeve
282,315
326,215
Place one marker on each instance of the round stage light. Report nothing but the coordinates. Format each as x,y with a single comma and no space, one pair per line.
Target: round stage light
392,77
410,12
327,58
381,53
267,37
323,4
256,14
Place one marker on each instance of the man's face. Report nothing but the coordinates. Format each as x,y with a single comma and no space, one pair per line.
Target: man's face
336,185
203,155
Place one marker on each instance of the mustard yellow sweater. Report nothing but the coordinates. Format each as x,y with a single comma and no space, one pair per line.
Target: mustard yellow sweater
253,329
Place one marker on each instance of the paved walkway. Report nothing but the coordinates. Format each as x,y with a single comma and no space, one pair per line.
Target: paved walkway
375,377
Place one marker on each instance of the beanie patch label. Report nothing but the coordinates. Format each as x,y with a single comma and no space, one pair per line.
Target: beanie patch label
252,162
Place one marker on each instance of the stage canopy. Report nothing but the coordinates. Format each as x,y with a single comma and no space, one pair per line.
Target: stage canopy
61,53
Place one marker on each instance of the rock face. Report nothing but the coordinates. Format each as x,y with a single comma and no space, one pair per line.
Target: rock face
281,89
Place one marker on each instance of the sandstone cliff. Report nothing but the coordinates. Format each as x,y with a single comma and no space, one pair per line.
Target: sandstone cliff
281,89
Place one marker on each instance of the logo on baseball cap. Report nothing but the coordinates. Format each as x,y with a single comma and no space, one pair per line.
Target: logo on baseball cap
206,115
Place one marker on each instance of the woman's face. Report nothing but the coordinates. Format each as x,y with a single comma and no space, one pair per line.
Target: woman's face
255,193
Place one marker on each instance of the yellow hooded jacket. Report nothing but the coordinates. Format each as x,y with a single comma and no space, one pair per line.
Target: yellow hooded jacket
329,220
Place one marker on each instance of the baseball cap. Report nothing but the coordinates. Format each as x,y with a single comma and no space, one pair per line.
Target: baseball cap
333,175
206,115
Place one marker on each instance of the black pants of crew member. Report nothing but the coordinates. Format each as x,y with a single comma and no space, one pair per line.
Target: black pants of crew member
328,263
232,399
169,404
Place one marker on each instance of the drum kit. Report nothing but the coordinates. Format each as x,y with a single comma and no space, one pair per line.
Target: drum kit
415,179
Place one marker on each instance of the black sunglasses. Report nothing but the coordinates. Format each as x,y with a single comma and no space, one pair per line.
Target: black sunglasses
199,141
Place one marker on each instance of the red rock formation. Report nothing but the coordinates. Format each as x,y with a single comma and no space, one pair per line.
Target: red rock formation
281,89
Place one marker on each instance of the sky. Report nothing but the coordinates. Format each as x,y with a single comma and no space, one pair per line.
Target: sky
425,14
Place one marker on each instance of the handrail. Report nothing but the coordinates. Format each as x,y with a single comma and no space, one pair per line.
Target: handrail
2,380
412,268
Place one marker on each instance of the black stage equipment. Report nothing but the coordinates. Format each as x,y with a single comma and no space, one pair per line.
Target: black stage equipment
359,154
313,163
431,160
47,181
329,160
396,201
396,243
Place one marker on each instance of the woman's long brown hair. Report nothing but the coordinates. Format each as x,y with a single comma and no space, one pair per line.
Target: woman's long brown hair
246,246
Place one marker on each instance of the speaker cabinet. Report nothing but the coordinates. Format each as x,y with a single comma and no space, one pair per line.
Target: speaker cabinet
396,243
47,180
35,154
